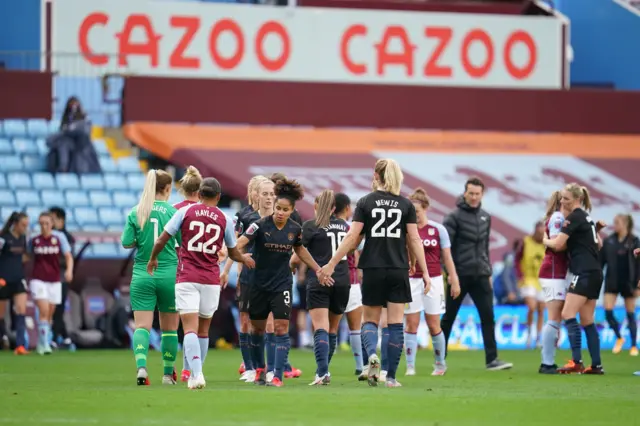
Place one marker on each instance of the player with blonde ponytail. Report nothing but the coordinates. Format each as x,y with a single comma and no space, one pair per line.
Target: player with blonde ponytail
143,227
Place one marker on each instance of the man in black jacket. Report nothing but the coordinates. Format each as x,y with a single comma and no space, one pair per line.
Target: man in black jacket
469,228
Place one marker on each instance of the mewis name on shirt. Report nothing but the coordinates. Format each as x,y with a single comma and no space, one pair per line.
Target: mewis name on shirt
386,203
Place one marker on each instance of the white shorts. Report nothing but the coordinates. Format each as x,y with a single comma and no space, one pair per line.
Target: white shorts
433,303
194,298
532,291
41,290
554,289
355,298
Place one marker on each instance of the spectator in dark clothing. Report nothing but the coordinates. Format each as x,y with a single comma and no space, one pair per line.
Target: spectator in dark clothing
60,335
469,227
622,277
71,150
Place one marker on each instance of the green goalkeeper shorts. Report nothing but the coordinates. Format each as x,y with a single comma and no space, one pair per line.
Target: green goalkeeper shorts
148,291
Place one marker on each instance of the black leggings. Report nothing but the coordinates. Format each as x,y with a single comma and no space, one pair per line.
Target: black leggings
59,328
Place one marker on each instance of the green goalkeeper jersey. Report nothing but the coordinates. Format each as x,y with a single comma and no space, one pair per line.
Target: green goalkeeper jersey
144,239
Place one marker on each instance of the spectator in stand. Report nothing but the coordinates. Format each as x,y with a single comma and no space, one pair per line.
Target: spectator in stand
59,329
71,150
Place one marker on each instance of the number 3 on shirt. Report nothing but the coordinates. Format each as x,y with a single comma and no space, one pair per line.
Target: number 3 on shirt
391,231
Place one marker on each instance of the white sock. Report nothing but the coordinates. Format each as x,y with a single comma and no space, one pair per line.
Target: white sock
185,361
204,347
192,349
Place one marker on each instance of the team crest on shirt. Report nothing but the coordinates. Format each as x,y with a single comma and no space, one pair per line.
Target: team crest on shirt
431,231
557,225
54,241
290,236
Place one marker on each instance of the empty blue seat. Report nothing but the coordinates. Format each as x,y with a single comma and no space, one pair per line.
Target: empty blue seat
34,213
174,198
136,181
14,128
11,163
77,198
72,226
115,181
111,216
6,147
93,228
3,181
91,182
7,198
67,181
86,216
43,149
54,126
124,199
19,180
115,228
108,165
52,197
38,128
100,199
5,212
28,197
126,211
101,147
34,163
25,146
42,180
105,250
128,165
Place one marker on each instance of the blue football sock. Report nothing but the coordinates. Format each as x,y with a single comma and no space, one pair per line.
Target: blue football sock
245,351
194,354
370,337
613,323
439,347
321,351
550,333
43,333
257,349
384,356
633,328
21,330
395,345
270,341
365,355
356,348
333,341
282,346
593,343
411,342
575,339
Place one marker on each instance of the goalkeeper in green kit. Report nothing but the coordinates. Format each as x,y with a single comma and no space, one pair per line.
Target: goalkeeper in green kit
145,223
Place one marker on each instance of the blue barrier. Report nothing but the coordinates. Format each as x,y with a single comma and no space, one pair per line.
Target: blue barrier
511,329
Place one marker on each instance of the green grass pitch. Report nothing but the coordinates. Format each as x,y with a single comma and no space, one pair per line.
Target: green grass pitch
98,388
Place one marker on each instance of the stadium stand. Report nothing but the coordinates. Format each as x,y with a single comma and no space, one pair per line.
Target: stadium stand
95,203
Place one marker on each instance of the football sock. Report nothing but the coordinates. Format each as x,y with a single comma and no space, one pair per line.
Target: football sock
204,347
356,348
333,341
411,342
257,348
185,362
365,355
593,343
44,330
192,348
575,339
282,344
370,338
384,356
245,350
439,347
550,333
613,323
633,328
169,347
395,346
140,346
21,330
271,351
321,351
